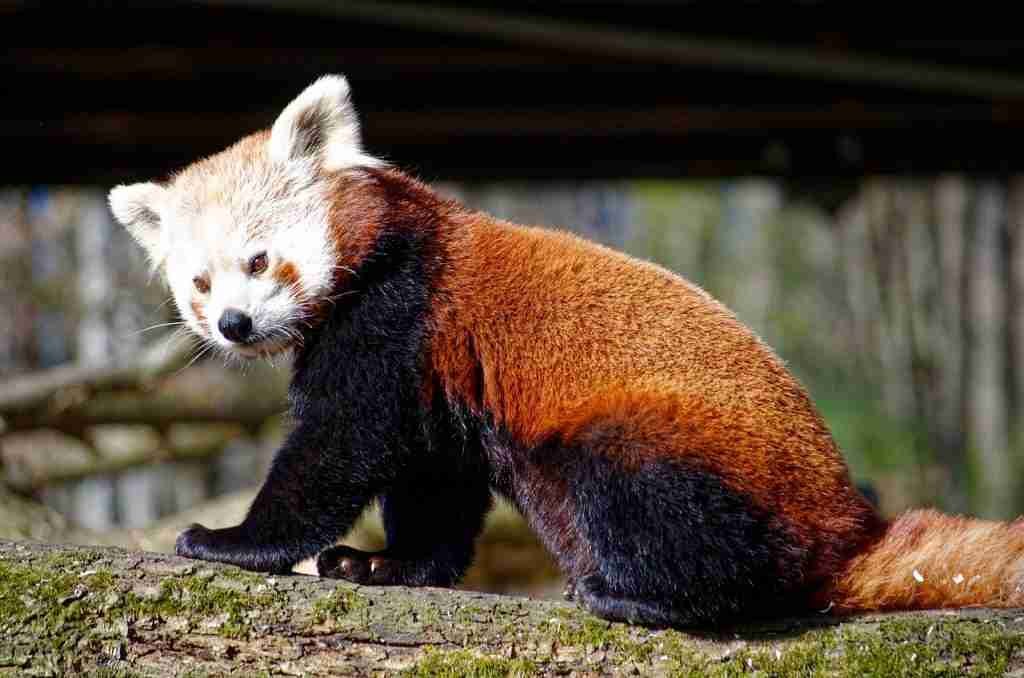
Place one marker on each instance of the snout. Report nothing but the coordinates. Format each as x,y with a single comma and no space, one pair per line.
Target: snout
235,325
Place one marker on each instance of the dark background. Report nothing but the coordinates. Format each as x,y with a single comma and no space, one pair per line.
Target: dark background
525,89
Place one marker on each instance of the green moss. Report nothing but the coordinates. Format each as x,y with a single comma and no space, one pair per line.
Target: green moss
466,664
338,604
115,672
50,593
74,561
73,608
76,609
900,646
101,580
55,602
241,598
468,614
577,630
910,648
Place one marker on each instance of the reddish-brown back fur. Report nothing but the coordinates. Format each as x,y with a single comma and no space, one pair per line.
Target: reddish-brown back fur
547,333
550,336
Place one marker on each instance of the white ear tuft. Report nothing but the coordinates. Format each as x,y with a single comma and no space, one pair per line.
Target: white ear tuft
320,124
136,207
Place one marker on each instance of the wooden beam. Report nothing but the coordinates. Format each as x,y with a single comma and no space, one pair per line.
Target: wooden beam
660,48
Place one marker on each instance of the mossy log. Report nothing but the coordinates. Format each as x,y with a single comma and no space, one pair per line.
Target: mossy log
103,611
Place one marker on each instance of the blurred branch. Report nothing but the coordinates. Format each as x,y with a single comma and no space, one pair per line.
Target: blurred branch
153,409
89,404
74,398
28,400
57,473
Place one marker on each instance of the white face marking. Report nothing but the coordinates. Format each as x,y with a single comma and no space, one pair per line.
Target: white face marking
268,193
217,242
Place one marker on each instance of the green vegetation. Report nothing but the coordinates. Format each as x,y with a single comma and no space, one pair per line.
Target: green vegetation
466,664
587,632
77,614
908,647
900,647
196,597
338,604
72,606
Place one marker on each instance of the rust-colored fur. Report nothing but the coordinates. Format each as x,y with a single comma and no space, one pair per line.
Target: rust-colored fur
930,560
286,274
548,334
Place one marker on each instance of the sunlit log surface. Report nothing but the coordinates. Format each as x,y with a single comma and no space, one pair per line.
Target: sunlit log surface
82,610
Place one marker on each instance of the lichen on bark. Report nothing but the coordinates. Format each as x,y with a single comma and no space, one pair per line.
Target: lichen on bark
67,610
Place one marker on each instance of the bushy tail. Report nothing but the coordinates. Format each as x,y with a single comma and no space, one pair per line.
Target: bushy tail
926,559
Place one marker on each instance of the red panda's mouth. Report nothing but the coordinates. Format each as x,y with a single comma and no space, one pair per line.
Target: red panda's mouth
263,346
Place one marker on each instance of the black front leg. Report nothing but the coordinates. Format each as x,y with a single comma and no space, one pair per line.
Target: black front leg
357,394
312,495
432,518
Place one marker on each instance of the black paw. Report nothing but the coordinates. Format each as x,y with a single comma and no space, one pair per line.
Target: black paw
234,546
343,562
590,585
593,594
194,542
359,567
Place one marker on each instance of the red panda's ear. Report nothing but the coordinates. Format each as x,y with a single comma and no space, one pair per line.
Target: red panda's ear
136,208
320,125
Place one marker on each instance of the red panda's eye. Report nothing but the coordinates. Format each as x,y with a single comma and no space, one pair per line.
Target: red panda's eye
202,284
258,263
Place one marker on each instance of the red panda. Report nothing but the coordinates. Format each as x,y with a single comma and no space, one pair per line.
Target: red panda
677,472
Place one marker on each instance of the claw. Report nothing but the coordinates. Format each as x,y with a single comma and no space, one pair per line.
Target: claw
343,562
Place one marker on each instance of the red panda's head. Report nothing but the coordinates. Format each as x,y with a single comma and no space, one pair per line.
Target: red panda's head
243,238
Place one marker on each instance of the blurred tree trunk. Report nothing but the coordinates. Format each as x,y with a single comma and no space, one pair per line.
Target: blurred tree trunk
988,438
748,208
93,501
16,298
1013,274
949,201
860,292
913,280
886,242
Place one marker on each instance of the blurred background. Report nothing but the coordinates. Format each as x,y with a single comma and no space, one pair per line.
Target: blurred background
853,190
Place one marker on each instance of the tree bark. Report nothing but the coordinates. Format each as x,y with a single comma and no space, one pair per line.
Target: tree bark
74,610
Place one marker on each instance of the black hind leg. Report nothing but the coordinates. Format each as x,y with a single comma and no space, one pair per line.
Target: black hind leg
432,518
662,542
592,592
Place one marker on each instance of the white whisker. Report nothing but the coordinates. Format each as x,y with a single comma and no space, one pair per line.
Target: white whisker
165,302
175,323
206,349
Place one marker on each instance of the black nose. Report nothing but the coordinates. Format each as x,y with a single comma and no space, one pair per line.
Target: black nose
235,325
